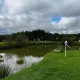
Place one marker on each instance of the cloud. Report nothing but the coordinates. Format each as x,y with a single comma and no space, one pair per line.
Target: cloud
21,15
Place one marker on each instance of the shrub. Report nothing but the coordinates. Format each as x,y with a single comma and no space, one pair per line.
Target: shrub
20,61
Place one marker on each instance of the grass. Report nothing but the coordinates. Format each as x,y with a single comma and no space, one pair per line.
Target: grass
4,71
54,67
1,43
12,44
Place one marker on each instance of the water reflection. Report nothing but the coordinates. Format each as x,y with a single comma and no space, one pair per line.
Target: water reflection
11,61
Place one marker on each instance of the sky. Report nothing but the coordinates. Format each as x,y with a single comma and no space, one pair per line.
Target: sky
56,19
55,16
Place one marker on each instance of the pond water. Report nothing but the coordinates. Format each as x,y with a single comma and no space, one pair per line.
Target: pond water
11,61
30,56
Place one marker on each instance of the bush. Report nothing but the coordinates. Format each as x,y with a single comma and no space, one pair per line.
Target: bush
20,61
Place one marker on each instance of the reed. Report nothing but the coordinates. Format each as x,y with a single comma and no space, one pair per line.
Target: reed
4,71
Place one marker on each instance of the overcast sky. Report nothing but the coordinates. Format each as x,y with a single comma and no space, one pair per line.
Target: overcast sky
56,16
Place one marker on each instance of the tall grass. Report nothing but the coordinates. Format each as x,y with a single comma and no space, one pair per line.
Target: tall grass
4,71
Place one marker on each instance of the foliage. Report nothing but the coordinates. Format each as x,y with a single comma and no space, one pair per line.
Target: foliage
20,61
38,35
21,39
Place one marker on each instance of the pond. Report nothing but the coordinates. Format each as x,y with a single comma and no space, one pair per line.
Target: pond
11,60
19,58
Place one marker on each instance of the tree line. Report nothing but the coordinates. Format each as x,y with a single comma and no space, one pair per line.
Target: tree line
38,35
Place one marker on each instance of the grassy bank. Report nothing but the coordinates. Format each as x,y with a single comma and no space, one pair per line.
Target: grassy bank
54,67
10,45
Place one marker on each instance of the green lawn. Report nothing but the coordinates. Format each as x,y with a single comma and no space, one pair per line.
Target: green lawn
2,43
54,67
